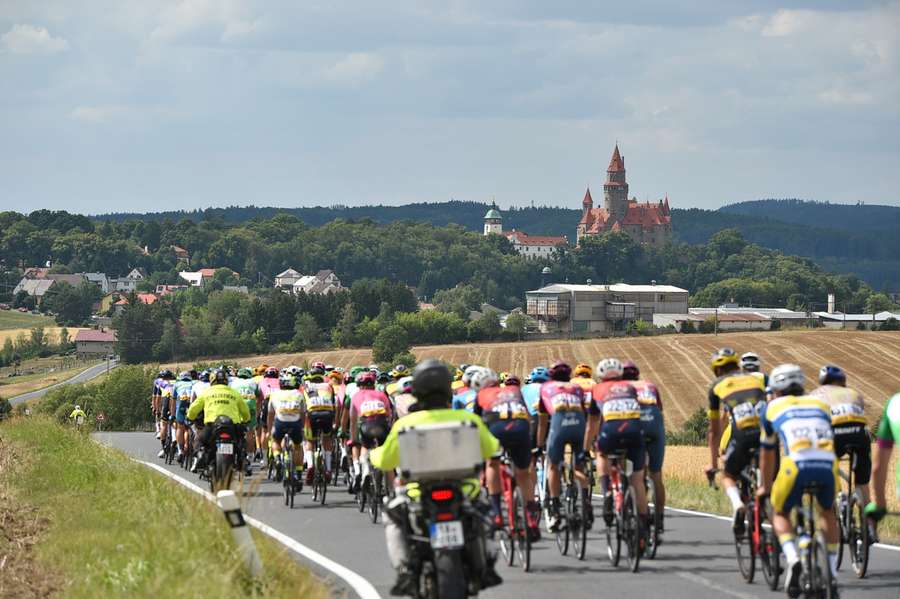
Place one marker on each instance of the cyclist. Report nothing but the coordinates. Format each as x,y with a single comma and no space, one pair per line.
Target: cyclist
583,376
752,364
505,413
244,384
431,386
801,425
741,394
320,412
887,434
285,418
457,380
399,371
267,384
78,417
531,393
616,416
370,423
156,400
184,386
848,418
562,412
166,391
464,396
200,385
403,403
217,400
654,432
336,378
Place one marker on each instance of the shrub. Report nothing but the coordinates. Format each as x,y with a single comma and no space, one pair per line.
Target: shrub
693,431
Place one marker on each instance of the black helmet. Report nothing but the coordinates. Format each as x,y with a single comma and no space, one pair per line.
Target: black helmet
219,377
431,384
204,376
167,374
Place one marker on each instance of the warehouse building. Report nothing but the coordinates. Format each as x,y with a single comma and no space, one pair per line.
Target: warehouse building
601,309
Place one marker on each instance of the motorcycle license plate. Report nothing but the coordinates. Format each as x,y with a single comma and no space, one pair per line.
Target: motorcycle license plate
447,535
225,448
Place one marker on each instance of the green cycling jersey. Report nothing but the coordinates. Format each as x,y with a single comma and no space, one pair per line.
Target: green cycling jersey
888,432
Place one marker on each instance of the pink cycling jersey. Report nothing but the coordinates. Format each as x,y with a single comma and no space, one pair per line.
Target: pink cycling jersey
267,385
647,393
559,396
369,403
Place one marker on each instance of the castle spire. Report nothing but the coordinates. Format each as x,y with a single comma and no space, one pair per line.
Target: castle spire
616,163
588,201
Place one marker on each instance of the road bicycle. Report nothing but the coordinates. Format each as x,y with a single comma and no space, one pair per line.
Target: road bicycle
573,525
655,516
625,525
170,446
815,575
759,540
854,528
319,482
188,457
291,483
514,538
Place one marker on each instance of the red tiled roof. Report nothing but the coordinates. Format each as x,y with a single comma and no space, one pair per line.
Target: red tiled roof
96,336
144,298
617,162
525,239
588,200
207,273
645,215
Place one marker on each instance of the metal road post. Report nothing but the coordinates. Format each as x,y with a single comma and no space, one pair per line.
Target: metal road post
229,505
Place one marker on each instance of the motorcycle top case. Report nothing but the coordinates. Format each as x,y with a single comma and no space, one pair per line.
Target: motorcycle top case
440,451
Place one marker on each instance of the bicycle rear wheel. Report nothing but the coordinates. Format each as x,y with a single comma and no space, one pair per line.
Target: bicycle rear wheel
631,531
653,533
520,531
375,504
506,533
858,537
562,531
576,517
614,539
770,556
743,546
821,582
840,512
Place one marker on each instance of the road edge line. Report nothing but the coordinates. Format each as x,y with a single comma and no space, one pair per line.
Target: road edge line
727,519
362,587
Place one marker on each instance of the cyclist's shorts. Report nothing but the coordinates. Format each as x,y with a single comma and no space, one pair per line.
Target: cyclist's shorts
322,422
628,435
565,428
164,408
293,429
262,413
787,491
533,428
854,436
181,408
373,431
654,436
738,452
514,435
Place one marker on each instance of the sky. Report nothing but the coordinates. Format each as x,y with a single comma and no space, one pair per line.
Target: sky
130,105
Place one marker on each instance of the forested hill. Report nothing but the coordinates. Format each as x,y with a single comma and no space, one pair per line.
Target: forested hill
852,217
837,236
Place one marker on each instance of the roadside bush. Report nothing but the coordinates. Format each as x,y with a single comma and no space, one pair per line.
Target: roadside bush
5,408
891,324
693,431
389,342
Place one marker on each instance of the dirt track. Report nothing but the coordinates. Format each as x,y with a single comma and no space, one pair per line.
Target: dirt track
677,363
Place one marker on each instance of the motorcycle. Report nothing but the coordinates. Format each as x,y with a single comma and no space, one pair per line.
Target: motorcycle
226,438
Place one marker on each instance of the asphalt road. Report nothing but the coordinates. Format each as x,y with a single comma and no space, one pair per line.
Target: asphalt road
82,377
696,560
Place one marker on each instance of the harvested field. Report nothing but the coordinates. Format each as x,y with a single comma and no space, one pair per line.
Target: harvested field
677,363
51,333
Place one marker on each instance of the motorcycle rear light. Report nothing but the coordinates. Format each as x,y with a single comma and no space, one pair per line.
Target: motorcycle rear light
442,494
444,516
224,436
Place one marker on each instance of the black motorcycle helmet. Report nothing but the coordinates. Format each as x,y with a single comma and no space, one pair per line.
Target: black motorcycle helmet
431,385
219,377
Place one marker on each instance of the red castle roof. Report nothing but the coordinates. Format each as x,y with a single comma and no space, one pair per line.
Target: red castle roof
617,162
646,214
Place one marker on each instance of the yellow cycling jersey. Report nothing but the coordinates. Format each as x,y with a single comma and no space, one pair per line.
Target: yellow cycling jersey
801,425
319,397
219,400
846,405
740,393
587,385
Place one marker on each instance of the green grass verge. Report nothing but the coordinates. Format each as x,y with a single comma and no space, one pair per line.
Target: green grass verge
13,319
695,496
115,528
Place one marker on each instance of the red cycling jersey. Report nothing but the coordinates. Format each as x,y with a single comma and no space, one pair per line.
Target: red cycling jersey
560,396
647,394
616,400
501,403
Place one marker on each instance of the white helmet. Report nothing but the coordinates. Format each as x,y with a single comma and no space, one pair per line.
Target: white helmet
786,377
483,378
750,362
467,375
77,407
608,369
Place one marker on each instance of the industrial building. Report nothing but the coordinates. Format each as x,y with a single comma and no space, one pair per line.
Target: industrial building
601,309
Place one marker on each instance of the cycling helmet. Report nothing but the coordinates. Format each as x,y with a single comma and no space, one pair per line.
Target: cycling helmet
630,371
467,375
539,375
788,379
329,367
184,376
245,373
583,370
464,367
194,374
365,379
513,381
204,376
336,376
406,384
723,357
316,374
400,370
832,375
431,384
77,407
502,377
219,377
318,366
609,369
167,374
750,362
383,378
457,374
484,378
356,370
287,381
560,372
271,373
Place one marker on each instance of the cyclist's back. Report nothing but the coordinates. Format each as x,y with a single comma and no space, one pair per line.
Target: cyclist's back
741,394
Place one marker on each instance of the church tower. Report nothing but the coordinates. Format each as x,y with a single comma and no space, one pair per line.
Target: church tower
493,222
615,190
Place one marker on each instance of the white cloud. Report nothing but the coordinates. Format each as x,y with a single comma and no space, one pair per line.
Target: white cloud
28,39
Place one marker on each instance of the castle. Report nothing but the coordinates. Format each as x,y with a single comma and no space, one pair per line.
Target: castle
645,222
530,246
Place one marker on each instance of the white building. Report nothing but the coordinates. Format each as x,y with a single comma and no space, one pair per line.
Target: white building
839,320
129,282
535,246
323,282
287,278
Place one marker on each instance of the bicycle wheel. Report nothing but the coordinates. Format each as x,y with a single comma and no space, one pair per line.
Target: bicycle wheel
562,531
743,546
288,476
631,531
653,533
858,536
506,533
840,512
614,539
820,579
520,530
770,556
374,505
320,477
577,520
362,493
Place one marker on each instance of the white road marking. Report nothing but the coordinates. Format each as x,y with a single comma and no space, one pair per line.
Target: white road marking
360,585
714,586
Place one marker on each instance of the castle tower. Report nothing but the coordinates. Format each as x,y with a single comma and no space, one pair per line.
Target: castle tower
615,190
493,222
